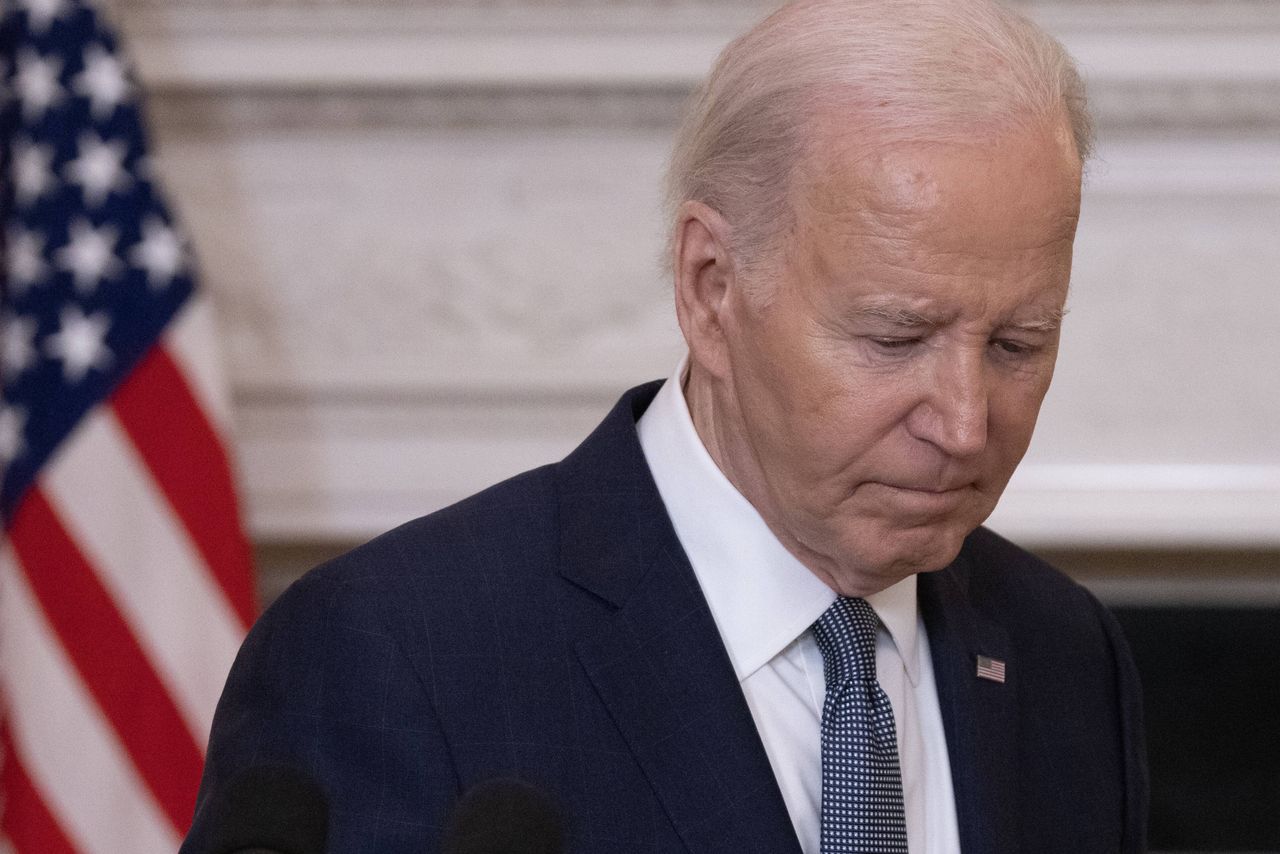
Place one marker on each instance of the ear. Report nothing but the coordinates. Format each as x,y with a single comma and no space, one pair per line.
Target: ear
704,279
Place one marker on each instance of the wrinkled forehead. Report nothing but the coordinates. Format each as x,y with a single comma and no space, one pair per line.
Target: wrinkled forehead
1018,188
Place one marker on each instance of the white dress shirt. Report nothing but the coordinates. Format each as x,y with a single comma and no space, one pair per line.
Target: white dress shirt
764,602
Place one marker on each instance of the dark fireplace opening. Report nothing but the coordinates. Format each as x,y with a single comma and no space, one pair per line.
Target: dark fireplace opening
1211,680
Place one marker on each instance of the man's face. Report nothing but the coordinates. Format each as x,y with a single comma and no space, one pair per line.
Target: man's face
881,398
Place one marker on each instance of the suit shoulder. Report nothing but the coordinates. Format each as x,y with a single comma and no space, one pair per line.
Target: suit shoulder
1025,591
1048,616
444,574
511,518
995,563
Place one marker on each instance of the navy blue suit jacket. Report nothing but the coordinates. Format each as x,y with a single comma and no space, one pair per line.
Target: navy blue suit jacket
551,628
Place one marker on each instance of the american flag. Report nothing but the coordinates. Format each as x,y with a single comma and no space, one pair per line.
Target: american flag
991,668
125,583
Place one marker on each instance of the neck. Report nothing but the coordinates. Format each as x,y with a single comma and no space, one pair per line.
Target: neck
719,429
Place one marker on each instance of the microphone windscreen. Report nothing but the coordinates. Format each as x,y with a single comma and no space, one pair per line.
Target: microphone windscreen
505,816
269,809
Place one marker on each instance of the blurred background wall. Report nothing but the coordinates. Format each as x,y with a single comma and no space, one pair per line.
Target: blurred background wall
432,233
433,236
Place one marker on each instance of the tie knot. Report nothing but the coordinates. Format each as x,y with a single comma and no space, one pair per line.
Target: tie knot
846,635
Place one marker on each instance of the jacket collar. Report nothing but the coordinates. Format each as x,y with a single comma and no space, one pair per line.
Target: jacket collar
655,657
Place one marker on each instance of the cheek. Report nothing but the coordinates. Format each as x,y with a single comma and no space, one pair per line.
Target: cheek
783,390
813,413
827,451
860,421
840,425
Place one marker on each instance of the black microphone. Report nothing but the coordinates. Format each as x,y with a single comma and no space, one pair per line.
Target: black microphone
270,809
505,816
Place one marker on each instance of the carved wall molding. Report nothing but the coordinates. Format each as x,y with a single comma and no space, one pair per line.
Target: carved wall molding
201,113
325,471
1151,107
1149,63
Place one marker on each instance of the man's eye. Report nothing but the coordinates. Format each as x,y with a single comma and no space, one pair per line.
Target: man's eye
894,343
1013,348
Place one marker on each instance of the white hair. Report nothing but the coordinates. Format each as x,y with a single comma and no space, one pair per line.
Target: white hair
900,70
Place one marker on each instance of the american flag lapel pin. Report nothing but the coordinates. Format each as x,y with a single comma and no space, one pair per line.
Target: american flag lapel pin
990,668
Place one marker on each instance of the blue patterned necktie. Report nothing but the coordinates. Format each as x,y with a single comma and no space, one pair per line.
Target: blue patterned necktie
862,807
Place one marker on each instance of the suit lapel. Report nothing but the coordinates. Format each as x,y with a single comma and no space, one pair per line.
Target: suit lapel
654,654
979,715
663,673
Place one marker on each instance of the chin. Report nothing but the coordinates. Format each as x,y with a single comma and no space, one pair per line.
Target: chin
916,550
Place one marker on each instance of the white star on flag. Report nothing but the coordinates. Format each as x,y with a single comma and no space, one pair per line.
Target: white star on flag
32,170
103,82
80,343
90,254
37,83
25,258
42,13
160,252
17,346
99,170
13,421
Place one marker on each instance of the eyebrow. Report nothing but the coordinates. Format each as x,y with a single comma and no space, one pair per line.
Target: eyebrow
1048,322
901,315
898,315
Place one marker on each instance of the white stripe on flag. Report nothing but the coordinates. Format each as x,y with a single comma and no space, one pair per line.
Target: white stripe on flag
87,782
147,563
190,340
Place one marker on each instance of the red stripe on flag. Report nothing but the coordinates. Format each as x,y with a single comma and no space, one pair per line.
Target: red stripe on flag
162,417
24,820
111,663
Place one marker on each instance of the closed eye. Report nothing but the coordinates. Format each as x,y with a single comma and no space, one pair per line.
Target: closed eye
894,343
1014,348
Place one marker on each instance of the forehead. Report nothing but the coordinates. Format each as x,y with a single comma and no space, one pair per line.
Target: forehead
997,196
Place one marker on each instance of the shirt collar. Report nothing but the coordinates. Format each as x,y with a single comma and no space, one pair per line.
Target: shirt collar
898,612
761,596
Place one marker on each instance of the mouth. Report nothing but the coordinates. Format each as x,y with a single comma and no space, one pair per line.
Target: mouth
928,490
930,500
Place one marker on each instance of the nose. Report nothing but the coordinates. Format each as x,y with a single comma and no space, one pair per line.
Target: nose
952,414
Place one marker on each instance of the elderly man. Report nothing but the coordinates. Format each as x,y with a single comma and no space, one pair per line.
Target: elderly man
755,611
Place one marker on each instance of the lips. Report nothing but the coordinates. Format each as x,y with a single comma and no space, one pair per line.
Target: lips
927,503
928,489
